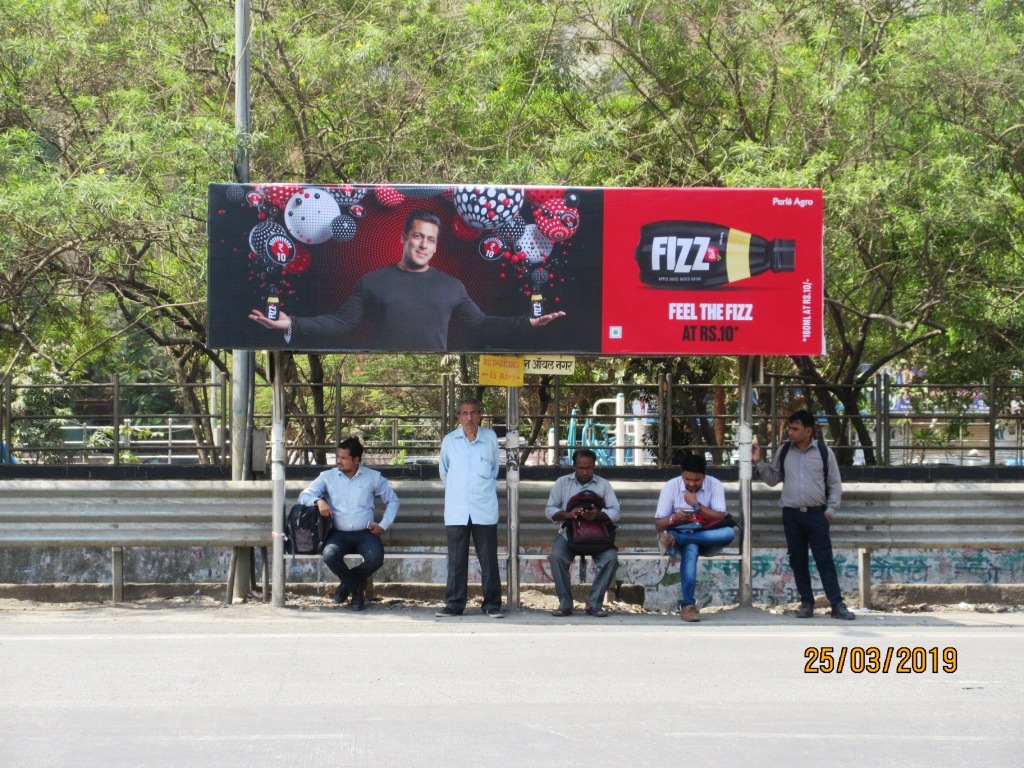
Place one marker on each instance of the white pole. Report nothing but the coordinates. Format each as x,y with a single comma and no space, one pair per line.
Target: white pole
277,474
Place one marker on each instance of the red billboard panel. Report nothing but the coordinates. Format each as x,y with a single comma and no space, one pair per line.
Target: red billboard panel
712,271
487,268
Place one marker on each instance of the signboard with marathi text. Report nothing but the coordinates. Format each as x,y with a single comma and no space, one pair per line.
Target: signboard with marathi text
561,365
527,270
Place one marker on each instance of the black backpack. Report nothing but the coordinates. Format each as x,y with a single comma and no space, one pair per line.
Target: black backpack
305,530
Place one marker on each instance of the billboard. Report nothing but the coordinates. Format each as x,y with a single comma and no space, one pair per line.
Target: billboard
488,268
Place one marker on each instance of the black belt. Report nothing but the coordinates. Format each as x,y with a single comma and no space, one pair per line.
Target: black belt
807,509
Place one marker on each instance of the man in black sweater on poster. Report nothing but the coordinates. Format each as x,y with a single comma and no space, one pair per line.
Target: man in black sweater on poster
409,303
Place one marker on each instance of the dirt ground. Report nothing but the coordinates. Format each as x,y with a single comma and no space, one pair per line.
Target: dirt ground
530,599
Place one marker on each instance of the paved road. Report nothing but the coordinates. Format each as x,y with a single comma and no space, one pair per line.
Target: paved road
250,685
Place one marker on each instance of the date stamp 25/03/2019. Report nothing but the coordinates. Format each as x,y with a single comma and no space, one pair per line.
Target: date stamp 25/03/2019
872,659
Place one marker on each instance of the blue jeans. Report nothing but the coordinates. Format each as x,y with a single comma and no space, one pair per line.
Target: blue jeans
341,543
691,544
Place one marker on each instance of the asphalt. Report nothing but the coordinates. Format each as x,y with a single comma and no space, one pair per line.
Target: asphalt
174,684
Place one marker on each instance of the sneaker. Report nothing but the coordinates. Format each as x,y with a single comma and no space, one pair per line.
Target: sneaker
340,594
805,611
689,613
840,611
561,612
597,613
446,613
494,613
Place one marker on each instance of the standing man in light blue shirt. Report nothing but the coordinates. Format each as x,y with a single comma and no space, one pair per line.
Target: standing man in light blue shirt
347,494
469,471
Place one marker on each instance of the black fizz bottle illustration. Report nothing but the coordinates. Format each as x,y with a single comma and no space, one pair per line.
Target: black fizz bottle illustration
698,254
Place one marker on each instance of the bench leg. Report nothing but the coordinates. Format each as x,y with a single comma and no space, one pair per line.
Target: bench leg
117,573
232,567
266,574
252,567
864,575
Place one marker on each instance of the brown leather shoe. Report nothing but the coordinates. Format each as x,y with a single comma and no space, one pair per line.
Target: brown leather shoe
689,613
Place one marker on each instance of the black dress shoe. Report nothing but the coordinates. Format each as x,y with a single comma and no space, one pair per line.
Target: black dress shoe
840,611
340,594
805,611
359,600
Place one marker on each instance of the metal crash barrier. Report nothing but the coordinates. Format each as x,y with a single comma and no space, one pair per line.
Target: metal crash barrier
119,514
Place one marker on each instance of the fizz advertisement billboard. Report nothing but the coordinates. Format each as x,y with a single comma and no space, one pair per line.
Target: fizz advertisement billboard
490,268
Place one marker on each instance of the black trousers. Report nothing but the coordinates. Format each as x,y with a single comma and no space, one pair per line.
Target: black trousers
485,541
810,530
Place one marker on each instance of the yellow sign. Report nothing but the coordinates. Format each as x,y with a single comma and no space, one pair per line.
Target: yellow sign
563,365
501,370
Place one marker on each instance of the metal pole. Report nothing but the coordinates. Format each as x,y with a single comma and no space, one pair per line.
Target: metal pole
668,419
662,398
993,412
883,409
620,429
277,475
557,419
243,34
116,407
744,435
117,573
7,431
337,407
224,385
512,486
243,361
445,381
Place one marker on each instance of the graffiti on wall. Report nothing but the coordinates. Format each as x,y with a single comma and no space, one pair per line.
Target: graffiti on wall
717,581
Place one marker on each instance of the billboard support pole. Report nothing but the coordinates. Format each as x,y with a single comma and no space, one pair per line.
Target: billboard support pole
512,486
277,474
243,361
744,441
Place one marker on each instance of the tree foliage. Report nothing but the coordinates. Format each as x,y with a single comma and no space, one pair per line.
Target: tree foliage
115,115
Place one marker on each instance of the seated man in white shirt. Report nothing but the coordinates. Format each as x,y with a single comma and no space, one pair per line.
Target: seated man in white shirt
691,519
347,494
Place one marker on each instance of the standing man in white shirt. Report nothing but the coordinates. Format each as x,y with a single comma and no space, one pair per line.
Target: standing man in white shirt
347,495
469,472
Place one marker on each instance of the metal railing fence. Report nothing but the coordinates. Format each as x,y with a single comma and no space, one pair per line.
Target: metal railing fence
889,423
115,422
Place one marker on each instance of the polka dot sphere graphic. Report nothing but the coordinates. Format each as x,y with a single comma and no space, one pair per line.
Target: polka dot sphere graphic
487,207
